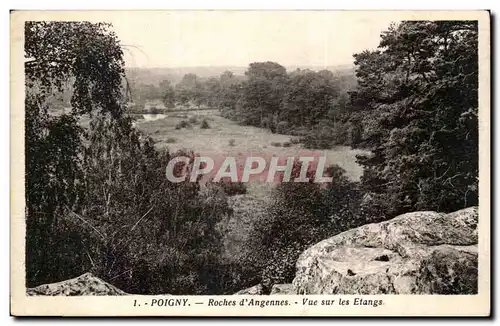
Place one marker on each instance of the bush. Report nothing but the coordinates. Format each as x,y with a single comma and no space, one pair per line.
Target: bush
154,110
300,215
193,120
232,142
233,188
182,124
204,124
139,231
282,127
320,137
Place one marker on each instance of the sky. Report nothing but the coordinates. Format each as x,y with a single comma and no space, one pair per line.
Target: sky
237,38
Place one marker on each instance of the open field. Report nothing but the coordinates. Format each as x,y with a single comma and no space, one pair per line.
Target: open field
227,138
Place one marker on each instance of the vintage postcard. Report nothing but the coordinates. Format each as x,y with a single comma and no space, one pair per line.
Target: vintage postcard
250,163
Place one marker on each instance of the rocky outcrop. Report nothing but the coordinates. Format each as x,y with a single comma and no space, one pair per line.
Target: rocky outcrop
254,290
86,284
414,253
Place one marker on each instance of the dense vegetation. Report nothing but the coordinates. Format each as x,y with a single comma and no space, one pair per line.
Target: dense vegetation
415,107
97,199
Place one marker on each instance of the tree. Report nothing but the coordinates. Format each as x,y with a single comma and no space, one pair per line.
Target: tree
190,88
417,106
168,93
96,198
263,91
59,58
58,51
309,97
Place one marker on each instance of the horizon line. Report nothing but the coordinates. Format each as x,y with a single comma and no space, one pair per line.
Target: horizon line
240,66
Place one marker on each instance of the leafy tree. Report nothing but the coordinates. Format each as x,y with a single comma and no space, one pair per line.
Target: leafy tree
168,93
57,54
309,97
188,89
263,91
96,197
417,105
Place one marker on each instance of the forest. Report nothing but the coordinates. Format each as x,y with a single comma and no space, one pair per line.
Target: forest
97,198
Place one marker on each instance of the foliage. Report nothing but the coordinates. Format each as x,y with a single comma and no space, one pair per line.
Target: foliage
300,215
417,108
96,71
204,124
57,56
168,93
97,199
233,188
182,124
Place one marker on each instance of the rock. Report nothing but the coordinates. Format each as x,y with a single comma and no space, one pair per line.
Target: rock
449,270
86,284
254,290
282,289
414,253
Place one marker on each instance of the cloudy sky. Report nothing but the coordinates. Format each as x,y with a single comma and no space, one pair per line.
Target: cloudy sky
236,38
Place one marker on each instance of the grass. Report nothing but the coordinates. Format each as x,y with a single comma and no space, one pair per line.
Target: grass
227,138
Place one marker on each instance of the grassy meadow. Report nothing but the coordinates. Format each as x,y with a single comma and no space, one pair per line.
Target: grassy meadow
227,138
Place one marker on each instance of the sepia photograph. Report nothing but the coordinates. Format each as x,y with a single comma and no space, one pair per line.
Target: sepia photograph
266,162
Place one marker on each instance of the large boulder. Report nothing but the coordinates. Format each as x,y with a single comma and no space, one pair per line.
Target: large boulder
86,284
414,253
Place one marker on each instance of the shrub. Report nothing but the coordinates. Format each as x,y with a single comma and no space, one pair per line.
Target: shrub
204,124
193,120
141,232
300,215
233,188
154,110
320,137
182,124
282,127
232,142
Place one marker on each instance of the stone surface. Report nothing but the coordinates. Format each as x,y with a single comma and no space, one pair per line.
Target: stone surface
254,290
282,289
414,253
86,284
